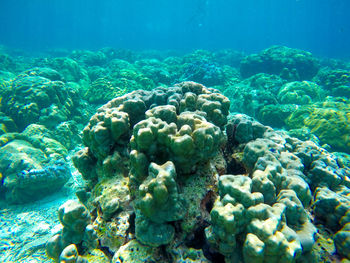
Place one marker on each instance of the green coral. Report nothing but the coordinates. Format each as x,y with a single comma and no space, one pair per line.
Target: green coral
268,233
289,63
329,121
300,93
159,202
250,95
336,81
193,138
32,166
70,70
101,90
34,99
166,129
75,219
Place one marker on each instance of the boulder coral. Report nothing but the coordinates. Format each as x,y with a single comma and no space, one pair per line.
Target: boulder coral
262,216
75,219
172,133
303,177
328,120
31,167
289,63
299,92
168,171
335,81
35,99
250,95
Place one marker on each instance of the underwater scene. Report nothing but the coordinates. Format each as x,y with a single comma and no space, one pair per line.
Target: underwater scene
175,131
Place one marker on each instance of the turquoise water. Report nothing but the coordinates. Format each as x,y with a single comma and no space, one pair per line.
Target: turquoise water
321,27
198,131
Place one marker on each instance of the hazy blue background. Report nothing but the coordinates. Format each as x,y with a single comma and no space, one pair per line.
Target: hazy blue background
320,26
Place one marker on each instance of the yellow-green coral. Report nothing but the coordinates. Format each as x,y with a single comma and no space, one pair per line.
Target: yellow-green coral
330,121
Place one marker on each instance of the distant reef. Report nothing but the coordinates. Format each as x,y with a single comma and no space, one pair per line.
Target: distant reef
199,157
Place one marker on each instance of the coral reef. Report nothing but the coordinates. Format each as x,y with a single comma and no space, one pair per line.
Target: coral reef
249,96
290,64
203,71
287,172
262,211
75,219
164,145
336,81
31,166
35,99
328,120
101,90
300,93
174,172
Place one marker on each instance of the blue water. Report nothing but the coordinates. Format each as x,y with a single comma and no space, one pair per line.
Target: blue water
320,26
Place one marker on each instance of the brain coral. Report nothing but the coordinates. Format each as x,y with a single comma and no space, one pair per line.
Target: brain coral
328,120
35,99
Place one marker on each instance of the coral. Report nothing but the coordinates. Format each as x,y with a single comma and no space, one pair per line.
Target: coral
203,71
291,176
159,199
299,92
47,73
7,124
113,233
68,134
31,167
337,81
155,70
268,232
167,178
172,134
65,132
101,90
189,143
89,58
5,77
228,214
249,96
7,62
342,241
133,251
112,125
34,99
75,219
125,75
70,70
328,121
242,129
159,202
331,208
112,196
188,255
228,57
96,72
275,115
290,64
277,191
70,255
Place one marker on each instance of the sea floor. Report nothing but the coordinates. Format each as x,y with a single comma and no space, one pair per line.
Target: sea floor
25,228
